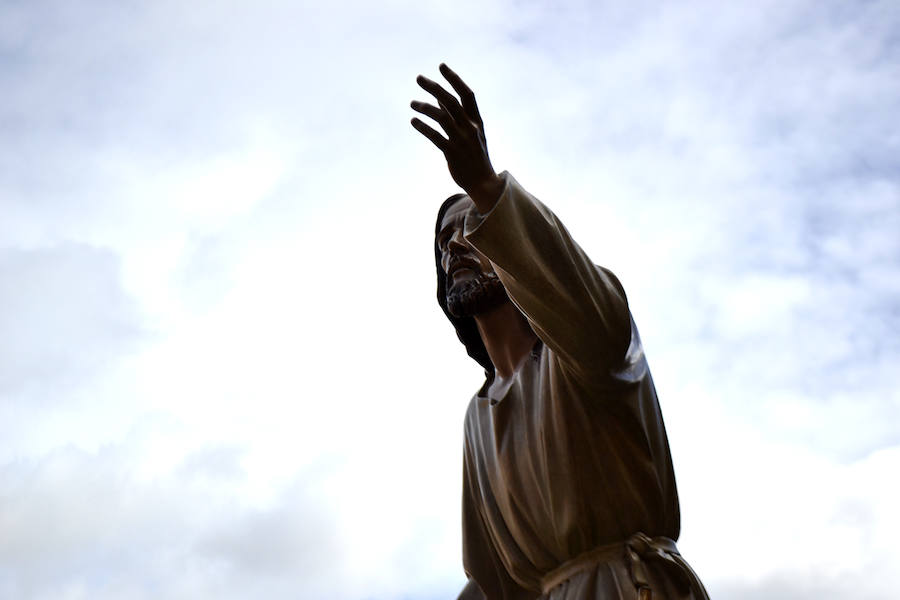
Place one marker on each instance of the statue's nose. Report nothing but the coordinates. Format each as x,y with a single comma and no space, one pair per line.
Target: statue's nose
457,243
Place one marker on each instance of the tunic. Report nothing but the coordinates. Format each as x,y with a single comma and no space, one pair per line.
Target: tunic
571,460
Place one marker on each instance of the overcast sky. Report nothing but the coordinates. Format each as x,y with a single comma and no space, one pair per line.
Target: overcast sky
223,372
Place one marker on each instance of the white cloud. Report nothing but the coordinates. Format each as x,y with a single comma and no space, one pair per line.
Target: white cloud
64,315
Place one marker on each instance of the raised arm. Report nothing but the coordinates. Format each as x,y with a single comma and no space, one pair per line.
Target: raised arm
578,309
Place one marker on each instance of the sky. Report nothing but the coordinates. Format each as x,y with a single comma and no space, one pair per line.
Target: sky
223,372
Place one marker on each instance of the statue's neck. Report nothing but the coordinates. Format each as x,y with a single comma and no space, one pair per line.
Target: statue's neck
507,336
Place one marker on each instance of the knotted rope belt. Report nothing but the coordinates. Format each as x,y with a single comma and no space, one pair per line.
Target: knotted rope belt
636,550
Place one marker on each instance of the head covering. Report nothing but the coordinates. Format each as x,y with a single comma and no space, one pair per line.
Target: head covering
466,329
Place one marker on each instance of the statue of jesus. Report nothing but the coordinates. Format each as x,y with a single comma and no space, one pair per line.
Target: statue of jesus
568,485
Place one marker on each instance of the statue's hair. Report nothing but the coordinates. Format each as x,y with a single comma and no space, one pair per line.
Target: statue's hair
466,328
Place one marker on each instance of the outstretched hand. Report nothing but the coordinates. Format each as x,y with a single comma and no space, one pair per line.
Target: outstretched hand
465,146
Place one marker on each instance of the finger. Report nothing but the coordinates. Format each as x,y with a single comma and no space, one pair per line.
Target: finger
443,97
429,110
436,138
466,95
438,114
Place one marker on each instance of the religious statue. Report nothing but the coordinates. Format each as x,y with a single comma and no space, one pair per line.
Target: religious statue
568,485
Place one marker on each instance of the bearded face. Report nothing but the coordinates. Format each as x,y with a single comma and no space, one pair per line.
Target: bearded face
473,287
480,294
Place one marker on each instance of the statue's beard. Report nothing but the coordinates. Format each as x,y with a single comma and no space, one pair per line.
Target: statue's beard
476,296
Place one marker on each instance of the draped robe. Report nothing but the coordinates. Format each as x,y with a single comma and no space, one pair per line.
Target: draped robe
568,485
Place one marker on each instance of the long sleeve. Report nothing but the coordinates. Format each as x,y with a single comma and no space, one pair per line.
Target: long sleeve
575,307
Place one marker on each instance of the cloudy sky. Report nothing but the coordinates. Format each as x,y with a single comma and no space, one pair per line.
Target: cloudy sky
223,373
